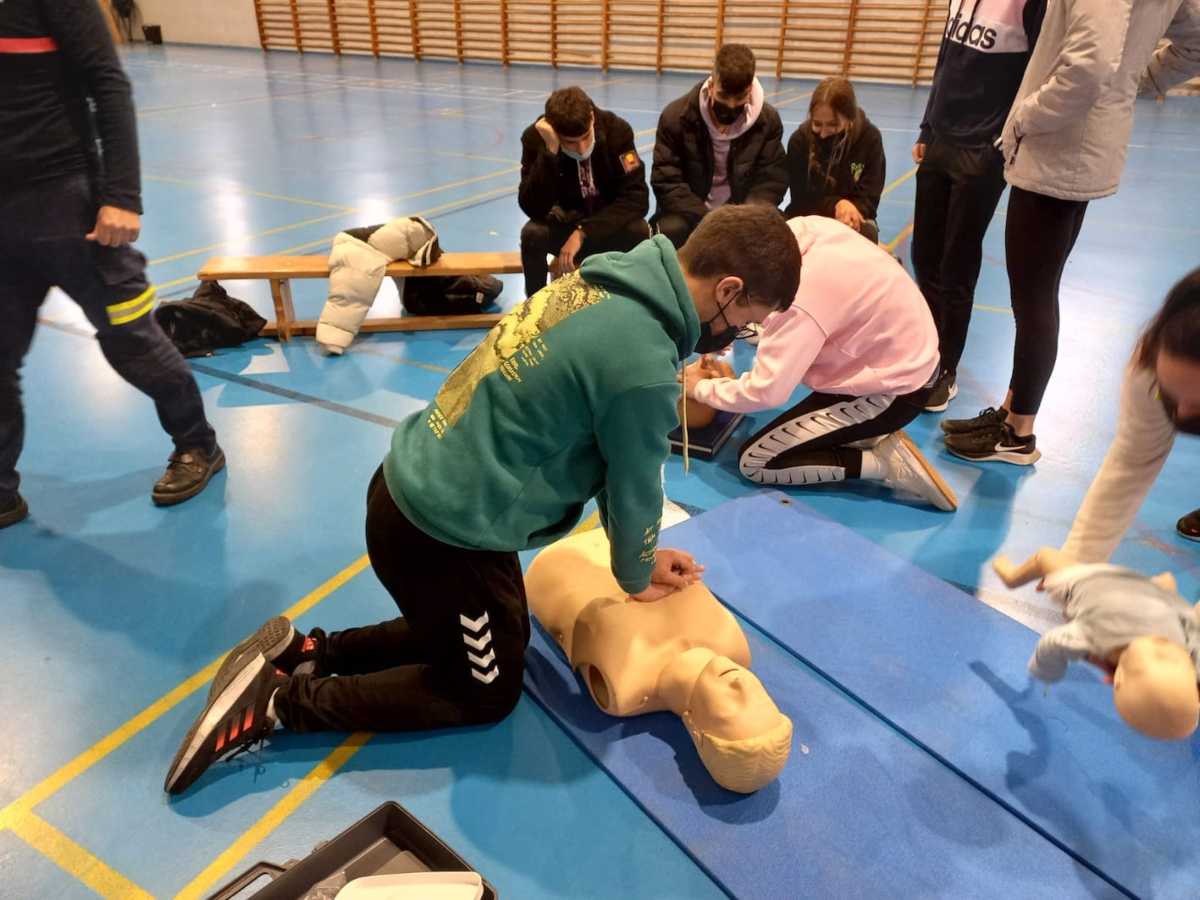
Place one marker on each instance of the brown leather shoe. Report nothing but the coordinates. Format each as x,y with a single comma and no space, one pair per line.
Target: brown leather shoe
187,474
14,512
1189,526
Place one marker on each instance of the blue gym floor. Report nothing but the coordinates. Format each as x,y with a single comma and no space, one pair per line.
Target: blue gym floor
114,610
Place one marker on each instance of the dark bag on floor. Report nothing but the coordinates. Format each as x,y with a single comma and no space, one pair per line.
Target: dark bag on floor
208,321
448,295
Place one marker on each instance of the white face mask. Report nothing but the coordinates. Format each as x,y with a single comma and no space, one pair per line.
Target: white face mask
580,157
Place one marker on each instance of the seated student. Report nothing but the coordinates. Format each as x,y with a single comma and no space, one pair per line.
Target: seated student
836,164
860,335
571,396
720,143
583,187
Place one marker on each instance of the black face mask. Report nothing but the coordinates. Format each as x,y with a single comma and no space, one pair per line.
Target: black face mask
725,115
1190,425
711,342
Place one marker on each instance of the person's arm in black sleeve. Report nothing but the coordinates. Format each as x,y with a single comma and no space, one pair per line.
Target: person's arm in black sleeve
83,38
797,163
770,179
869,187
539,176
666,175
926,135
633,197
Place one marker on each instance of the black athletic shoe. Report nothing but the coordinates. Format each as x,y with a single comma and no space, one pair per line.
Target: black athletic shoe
285,648
13,511
944,391
188,473
999,443
232,721
1189,526
987,418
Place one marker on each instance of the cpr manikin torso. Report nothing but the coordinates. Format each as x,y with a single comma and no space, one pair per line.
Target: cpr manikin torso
684,653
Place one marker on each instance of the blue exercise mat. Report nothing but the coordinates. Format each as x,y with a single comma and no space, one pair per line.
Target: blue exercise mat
858,811
949,671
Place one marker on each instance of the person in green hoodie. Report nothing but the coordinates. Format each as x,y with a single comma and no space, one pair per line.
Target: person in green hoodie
570,397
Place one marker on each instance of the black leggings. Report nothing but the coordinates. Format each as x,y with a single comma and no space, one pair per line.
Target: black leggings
808,443
1038,238
455,657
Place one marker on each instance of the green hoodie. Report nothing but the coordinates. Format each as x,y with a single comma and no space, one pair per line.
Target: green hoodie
571,396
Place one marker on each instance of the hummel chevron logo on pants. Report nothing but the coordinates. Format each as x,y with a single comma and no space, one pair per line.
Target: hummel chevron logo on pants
478,636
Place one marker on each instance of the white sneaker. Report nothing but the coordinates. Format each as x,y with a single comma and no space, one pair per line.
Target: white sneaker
907,469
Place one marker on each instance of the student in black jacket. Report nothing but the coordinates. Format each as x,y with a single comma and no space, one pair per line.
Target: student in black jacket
720,143
836,164
68,216
986,46
583,187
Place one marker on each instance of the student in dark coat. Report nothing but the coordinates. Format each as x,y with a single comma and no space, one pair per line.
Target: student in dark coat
583,187
836,164
719,143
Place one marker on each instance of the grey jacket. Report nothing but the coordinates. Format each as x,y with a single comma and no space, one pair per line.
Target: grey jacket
1069,125
1106,607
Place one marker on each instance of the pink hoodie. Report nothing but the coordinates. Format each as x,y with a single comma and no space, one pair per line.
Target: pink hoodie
858,326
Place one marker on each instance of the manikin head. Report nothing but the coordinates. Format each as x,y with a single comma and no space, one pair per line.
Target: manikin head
700,415
741,264
743,739
732,83
1154,689
570,113
1170,348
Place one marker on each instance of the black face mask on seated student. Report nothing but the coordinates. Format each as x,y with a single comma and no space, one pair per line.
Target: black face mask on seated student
726,115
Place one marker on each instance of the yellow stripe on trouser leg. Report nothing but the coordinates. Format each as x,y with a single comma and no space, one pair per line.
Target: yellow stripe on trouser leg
128,310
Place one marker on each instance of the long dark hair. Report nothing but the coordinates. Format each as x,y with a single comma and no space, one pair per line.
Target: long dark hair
838,94
1176,327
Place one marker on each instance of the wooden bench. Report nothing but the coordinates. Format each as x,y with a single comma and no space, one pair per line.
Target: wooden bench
280,270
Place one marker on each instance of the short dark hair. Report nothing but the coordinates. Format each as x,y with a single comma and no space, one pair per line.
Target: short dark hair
1176,327
752,242
569,112
734,68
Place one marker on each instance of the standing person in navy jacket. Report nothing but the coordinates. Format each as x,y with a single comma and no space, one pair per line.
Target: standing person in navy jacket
67,217
985,48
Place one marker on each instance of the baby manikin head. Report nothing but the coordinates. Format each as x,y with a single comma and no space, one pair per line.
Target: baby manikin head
1154,689
743,739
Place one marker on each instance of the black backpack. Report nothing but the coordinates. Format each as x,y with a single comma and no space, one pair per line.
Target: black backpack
209,320
448,295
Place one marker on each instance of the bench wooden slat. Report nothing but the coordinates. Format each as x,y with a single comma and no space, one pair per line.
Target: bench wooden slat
240,268
403,323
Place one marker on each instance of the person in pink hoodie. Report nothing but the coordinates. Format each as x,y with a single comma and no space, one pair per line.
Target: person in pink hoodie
860,335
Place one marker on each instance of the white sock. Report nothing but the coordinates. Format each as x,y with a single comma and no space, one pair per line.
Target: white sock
872,468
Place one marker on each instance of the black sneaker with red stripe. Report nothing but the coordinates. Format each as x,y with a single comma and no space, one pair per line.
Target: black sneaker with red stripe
284,647
234,719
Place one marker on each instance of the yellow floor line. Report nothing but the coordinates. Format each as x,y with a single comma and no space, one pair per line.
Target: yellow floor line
994,309
891,245
899,181
12,815
592,521
275,816
242,189
77,860
250,237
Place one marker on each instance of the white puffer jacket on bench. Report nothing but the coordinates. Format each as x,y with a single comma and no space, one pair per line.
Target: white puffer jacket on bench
356,270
